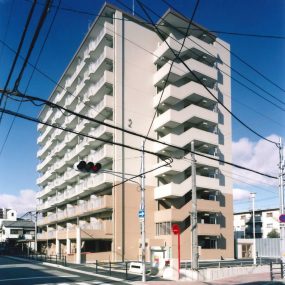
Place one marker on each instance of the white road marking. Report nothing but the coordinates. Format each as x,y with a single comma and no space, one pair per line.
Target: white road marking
38,277
31,266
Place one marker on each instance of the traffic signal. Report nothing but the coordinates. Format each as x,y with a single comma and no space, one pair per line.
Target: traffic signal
88,167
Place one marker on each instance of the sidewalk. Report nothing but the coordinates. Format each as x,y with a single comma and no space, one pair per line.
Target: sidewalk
250,279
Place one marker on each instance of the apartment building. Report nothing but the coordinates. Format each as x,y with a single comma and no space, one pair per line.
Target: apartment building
266,220
117,76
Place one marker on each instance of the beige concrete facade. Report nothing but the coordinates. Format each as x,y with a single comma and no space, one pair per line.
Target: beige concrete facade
117,76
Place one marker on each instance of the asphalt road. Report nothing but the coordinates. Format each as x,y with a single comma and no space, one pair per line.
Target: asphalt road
14,272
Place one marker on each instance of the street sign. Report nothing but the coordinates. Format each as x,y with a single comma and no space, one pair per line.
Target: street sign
175,229
282,218
141,213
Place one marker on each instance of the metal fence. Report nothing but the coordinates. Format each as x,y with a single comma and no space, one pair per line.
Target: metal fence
57,259
276,270
230,263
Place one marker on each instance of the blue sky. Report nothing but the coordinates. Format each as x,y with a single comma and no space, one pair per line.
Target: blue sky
18,159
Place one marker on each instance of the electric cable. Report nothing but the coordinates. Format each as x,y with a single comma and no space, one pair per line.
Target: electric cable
200,81
234,54
222,71
167,78
17,54
56,83
227,74
56,126
53,105
238,81
7,28
30,79
88,13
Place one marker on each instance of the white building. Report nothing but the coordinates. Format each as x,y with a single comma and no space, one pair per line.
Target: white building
265,221
13,228
117,76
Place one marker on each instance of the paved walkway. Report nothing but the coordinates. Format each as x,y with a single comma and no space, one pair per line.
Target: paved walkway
250,279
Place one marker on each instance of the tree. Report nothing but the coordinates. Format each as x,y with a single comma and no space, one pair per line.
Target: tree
273,234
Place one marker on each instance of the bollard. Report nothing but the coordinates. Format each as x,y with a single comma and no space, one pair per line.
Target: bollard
126,270
96,266
110,268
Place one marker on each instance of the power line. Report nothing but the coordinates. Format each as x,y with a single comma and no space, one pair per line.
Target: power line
32,45
239,82
7,27
59,85
234,54
53,105
167,78
196,77
235,70
88,13
35,120
17,55
30,79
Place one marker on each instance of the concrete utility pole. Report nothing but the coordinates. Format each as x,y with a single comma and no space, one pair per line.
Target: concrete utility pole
253,230
142,214
194,263
281,198
36,231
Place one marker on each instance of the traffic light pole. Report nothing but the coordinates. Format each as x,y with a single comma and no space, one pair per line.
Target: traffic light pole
281,198
142,209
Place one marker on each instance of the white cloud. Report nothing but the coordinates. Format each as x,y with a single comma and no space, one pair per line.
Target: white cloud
262,156
25,202
240,194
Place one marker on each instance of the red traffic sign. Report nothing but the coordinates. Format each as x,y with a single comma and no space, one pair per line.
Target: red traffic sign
282,218
175,229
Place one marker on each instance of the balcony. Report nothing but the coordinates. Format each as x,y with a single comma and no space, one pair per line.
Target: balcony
192,114
103,109
102,155
103,61
191,45
204,72
185,138
209,229
179,215
178,166
173,190
98,182
104,36
192,91
101,87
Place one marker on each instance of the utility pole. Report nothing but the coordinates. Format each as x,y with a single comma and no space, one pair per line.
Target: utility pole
36,231
194,263
142,214
253,225
281,198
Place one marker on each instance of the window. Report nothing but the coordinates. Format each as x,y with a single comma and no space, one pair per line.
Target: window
269,215
14,232
163,228
242,217
270,226
12,214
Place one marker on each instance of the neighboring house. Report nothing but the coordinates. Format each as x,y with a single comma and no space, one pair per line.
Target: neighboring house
117,76
6,215
21,230
265,221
